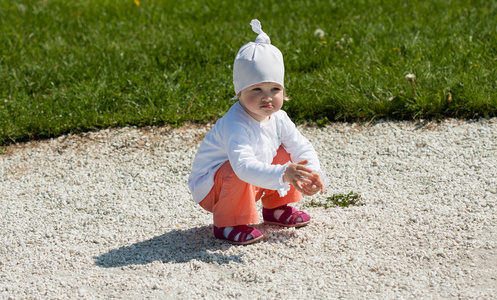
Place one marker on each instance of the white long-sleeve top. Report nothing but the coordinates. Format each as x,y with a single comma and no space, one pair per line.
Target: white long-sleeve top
250,147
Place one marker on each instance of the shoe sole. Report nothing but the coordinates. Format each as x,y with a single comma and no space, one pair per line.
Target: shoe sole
243,243
301,224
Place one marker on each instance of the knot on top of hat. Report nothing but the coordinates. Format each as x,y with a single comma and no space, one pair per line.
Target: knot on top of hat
262,36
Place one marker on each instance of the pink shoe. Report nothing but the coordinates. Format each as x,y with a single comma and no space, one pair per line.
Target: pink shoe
289,217
243,238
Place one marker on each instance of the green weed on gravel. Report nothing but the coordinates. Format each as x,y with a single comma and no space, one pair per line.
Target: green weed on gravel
338,200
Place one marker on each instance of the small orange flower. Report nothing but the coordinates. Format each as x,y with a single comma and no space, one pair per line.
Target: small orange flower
137,3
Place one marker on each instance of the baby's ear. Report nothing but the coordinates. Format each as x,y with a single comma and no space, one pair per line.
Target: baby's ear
285,97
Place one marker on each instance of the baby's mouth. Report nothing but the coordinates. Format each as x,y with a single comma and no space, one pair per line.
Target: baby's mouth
269,105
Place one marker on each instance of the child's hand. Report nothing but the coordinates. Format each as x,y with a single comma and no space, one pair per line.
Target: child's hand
315,186
298,175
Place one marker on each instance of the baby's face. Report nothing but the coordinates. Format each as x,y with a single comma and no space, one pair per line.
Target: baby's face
262,100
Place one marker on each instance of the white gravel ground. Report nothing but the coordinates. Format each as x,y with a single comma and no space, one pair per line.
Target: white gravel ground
108,215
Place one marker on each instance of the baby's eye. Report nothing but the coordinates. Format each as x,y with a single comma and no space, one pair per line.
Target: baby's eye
256,89
276,89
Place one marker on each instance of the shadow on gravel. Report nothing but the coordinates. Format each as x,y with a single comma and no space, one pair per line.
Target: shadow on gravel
177,246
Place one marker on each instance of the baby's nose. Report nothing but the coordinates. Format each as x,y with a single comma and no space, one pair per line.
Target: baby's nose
267,97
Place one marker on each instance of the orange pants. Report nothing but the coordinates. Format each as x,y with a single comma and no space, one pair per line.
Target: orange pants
233,201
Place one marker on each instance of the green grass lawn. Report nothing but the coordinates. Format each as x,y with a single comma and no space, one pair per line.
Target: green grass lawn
70,66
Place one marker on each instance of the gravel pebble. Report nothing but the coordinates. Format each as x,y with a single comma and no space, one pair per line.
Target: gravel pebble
108,214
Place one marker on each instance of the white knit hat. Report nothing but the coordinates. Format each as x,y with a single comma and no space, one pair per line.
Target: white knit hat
258,62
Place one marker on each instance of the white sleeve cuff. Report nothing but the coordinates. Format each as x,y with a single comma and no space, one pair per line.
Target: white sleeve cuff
283,187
